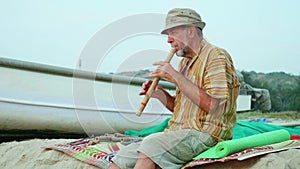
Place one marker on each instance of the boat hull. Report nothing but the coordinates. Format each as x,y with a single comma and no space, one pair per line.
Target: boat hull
50,99
47,98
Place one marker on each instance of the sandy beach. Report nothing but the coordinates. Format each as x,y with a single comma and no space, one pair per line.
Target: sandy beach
30,154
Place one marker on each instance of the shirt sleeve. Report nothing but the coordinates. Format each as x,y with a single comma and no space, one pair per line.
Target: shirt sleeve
218,74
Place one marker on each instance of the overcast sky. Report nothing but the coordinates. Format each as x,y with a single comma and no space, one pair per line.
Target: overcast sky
260,35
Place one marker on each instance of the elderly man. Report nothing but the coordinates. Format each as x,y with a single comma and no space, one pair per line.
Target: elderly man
203,107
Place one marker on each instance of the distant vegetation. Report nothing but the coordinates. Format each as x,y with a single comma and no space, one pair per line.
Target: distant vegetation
284,88
256,115
141,73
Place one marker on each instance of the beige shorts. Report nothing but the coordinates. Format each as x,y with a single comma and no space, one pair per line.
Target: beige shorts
172,149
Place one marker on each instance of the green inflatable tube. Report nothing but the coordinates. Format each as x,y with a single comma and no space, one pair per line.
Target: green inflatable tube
225,148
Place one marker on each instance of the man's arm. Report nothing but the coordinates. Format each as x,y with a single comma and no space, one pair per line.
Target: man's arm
196,94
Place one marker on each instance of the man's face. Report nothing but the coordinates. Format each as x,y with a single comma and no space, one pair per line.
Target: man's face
177,37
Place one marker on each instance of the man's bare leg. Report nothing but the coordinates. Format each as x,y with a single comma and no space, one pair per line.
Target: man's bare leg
144,162
113,166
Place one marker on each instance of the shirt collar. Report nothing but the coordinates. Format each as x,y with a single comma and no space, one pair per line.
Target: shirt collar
201,47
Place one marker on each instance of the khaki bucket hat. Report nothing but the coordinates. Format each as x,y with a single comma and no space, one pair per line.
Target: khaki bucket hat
182,16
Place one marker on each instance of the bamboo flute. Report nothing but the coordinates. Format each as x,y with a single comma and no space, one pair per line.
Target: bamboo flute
153,86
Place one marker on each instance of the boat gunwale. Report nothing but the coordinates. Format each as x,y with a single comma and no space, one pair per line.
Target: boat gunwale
76,73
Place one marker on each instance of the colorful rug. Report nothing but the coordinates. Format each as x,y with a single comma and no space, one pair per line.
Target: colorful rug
97,151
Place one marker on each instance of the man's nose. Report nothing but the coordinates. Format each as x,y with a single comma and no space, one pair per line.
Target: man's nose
170,39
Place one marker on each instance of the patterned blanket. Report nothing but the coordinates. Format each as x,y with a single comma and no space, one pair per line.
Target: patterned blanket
98,151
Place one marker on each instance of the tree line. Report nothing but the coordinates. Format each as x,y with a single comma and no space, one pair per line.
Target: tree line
284,88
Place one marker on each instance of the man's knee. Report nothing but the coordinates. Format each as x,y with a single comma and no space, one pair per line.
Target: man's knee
144,162
113,166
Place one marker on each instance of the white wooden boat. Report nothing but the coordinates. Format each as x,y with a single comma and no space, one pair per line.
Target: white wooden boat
38,98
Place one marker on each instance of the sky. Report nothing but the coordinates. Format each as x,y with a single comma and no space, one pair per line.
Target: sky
114,36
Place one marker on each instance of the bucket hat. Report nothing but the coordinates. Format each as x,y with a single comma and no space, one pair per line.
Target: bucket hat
182,16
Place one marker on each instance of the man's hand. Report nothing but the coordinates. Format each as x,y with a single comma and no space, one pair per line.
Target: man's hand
160,94
155,94
164,71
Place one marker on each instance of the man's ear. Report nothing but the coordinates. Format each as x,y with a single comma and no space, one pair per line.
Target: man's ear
192,31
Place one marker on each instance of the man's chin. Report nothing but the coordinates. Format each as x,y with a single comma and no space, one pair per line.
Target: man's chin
180,53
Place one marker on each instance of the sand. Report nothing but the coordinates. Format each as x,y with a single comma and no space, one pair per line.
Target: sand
30,155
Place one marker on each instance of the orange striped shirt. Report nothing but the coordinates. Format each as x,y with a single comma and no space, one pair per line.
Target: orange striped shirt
212,70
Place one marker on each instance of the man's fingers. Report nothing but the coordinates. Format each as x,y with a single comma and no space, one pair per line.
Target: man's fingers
145,87
159,63
142,93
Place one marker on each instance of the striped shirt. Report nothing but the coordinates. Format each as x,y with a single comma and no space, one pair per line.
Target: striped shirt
212,70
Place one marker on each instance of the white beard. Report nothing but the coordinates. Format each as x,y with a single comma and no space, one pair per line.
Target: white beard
181,52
